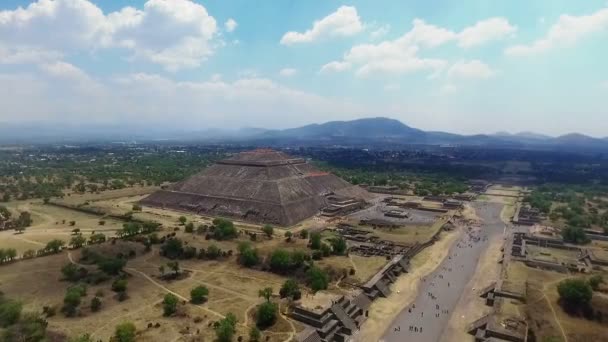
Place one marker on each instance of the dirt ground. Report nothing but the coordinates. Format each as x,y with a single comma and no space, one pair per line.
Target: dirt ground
404,290
470,306
37,282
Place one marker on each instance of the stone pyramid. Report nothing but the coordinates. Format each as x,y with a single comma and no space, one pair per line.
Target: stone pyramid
261,186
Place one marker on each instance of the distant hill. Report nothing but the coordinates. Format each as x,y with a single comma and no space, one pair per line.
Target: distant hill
373,132
362,128
381,130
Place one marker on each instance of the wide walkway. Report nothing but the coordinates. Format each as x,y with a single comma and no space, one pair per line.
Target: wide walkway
425,319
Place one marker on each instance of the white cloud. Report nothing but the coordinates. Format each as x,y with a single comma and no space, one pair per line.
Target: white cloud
173,33
230,25
485,31
380,31
566,31
24,55
343,22
401,56
65,94
474,69
288,72
335,66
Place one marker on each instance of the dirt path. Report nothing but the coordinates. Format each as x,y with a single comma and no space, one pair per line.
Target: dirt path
439,292
470,306
404,289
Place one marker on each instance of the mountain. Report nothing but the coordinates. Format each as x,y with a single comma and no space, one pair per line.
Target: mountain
391,132
362,128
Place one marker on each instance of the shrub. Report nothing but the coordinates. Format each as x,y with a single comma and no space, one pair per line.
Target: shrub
266,315
574,293
225,328
290,289
575,235
170,304
315,240
95,304
248,256
317,279
119,285
125,332
199,294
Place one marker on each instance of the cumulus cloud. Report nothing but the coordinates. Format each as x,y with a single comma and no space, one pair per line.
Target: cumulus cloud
288,72
380,31
173,33
485,31
474,69
401,55
566,31
343,22
230,25
335,66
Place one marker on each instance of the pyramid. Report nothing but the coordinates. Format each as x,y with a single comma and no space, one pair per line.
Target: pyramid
261,186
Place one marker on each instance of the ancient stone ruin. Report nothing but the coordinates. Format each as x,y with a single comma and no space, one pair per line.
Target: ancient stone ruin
261,186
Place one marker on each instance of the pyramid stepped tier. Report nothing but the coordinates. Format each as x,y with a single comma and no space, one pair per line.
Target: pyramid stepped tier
261,186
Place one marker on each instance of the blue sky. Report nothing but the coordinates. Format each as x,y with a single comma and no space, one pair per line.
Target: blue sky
469,66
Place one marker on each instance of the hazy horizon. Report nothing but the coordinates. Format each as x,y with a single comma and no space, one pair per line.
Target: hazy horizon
465,68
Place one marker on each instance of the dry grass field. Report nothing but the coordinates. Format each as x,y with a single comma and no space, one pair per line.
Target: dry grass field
546,318
52,222
233,289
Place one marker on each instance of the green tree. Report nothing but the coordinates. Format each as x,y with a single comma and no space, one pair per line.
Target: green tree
288,236
95,304
266,293
112,266
224,229
280,261
268,230
10,312
198,295
574,293
266,315
189,228
136,207
248,256
174,266
11,254
304,234
575,235
71,301
172,248
119,285
170,304
77,241
182,220
30,328
54,246
72,272
125,332
315,240
290,289
338,245
226,328
317,279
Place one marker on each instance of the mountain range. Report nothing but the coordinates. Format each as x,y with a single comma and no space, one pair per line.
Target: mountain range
379,131
384,130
